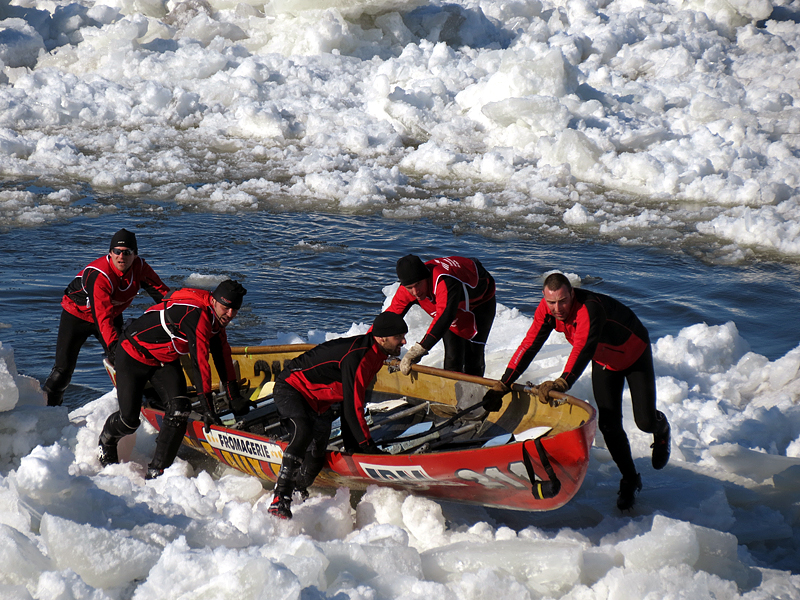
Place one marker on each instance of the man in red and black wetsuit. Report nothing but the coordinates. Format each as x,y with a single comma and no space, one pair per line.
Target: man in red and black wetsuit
189,322
607,333
460,296
93,304
306,391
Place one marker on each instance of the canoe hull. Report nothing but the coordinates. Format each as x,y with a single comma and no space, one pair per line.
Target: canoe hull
492,476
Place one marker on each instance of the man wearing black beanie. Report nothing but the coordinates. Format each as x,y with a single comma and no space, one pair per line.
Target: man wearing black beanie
336,372
93,304
460,296
190,322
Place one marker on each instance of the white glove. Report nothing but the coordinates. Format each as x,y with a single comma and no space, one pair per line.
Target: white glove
412,357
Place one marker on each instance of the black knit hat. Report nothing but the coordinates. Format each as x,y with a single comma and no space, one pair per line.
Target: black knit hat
411,269
124,239
388,324
229,293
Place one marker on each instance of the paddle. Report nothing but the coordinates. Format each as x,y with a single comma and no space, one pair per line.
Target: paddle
337,440
442,425
432,435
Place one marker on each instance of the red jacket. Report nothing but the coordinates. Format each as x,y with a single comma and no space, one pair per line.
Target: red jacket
340,370
187,326
599,328
458,285
100,293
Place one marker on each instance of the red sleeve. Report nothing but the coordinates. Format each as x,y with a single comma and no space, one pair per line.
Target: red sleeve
100,292
356,377
448,294
221,351
199,348
543,324
401,302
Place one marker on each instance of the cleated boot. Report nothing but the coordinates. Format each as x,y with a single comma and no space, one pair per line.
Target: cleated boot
107,454
303,493
628,488
152,473
280,507
661,445
55,398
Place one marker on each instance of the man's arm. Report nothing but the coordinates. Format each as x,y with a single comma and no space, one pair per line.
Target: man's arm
99,289
401,302
199,336
449,294
590,320
543,324
358,371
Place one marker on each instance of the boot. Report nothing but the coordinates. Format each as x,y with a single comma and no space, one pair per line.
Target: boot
628,488
170,438
284,486
152,473
107,454
113,431
281,506
661,443
55,398
311,467
55,386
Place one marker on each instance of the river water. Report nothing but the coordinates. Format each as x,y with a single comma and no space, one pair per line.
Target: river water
325,271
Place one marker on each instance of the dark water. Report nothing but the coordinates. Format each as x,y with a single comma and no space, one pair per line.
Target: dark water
313,271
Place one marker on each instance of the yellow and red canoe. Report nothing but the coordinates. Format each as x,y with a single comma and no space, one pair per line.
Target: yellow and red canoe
527,456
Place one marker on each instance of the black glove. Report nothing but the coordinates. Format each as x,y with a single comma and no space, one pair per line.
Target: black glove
209,420
238,403
493,399
207,406
370,447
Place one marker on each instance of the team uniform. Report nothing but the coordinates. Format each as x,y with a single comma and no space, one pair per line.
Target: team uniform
608,334
329,380
93,304
462,303
337,372
184,324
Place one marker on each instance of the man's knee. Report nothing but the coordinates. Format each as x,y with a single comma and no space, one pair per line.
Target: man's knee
609,423
654,422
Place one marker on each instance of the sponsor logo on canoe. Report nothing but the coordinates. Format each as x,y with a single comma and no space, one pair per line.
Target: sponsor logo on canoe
405,474
238,444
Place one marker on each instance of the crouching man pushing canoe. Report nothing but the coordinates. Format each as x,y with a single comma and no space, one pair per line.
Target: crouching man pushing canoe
607,333
338,371
189,321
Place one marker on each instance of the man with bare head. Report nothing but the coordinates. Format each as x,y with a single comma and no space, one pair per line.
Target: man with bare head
608,334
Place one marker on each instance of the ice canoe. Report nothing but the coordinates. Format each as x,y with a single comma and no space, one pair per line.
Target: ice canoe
528,456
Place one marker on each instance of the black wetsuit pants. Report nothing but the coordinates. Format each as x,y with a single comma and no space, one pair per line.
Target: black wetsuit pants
467,356
309,433
72,335
607,387
169,383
